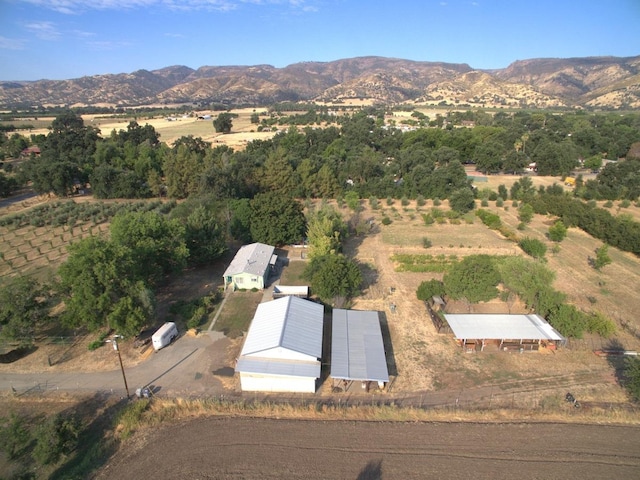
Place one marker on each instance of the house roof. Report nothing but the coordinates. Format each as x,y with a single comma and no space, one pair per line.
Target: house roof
253,259
288,323
357,349
501,326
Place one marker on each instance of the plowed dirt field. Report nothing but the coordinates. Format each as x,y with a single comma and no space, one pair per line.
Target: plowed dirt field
224,448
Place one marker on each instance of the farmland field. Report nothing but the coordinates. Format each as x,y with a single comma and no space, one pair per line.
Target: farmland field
34,235
420,359
243,130
253,448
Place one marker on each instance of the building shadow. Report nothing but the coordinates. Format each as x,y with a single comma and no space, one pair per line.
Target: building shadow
388,345
371,471
325,369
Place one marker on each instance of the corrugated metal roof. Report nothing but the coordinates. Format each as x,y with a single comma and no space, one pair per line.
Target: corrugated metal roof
253,259
289,322
289,368
357,349
501,326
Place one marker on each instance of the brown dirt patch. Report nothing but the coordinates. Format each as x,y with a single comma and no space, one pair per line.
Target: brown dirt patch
253,448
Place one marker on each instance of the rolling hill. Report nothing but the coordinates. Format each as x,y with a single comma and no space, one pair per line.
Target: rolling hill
590,82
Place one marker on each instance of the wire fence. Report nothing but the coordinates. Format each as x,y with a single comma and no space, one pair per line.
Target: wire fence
470,400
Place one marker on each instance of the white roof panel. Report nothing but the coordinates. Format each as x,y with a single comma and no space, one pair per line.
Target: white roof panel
501,326
289,322
253,259
357,348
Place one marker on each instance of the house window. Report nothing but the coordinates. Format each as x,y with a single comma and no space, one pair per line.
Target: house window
254,279
239,280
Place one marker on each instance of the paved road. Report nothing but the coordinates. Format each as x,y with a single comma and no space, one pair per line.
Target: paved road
184,368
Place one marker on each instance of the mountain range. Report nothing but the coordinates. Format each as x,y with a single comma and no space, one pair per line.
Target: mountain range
589,82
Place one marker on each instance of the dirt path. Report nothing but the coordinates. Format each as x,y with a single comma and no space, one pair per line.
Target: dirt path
252,448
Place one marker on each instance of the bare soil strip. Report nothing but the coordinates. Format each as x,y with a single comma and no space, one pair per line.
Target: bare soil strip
253,448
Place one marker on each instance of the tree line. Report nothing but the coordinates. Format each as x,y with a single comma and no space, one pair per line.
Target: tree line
357,151
254,195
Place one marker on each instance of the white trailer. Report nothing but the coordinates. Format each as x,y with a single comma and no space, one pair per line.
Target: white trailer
166,334
280,291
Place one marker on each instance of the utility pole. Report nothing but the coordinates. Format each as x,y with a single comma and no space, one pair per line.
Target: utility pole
114,341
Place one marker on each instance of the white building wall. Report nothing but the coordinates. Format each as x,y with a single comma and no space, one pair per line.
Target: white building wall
267,383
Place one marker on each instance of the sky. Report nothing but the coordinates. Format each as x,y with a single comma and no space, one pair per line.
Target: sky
64,39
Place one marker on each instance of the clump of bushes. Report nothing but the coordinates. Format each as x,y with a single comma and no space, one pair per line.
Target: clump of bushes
533,247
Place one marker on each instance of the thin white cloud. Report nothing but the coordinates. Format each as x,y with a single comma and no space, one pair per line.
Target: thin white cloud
11,43
107,45
43,30
71,7
175,35
83,34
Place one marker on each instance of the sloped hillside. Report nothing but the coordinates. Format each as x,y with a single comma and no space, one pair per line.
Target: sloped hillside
480,89
598,82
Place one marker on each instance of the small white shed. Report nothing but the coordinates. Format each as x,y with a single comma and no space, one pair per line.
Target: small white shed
283,347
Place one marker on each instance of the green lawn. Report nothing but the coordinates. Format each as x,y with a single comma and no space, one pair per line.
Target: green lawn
292,273
237,313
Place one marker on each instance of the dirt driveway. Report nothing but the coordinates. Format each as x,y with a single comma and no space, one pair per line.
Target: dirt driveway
254,448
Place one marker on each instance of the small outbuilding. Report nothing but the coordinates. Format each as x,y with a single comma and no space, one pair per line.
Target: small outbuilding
251,266
474,332
283,347
357,349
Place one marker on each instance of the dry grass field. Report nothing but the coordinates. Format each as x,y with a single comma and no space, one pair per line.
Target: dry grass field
243,130
428,361
420,359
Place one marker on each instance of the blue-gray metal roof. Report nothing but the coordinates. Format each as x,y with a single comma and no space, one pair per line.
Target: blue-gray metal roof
270,366
288,323
357,349
253,259
501,327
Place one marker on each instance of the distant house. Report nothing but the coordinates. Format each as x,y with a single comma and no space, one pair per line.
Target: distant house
283,347
27,152
251,266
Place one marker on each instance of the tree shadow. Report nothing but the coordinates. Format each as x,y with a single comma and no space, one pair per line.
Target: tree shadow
615,358
371,471
95,444
17,354
369,275
359,229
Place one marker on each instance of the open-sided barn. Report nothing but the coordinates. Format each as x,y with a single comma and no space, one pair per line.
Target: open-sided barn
505,331
283,347
251,266
357,348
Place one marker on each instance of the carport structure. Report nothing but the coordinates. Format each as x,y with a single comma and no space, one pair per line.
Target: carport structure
506,332
357,349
